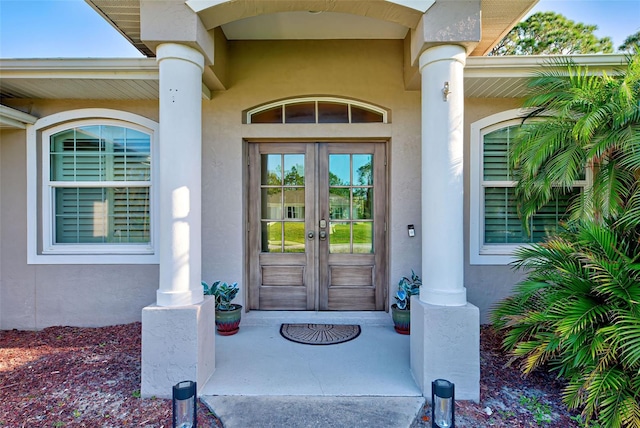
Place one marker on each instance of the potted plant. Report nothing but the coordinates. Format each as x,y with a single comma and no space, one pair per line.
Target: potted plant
227,314
400,311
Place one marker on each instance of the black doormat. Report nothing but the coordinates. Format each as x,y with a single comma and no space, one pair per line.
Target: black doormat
320,334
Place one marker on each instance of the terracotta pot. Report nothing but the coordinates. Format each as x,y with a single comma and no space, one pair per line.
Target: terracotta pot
401,319
228,322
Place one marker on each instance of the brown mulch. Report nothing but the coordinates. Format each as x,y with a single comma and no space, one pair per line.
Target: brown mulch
507,399
90,377
79,377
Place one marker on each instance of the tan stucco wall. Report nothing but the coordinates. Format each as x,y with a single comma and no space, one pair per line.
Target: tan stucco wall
266,71
36,296
486,284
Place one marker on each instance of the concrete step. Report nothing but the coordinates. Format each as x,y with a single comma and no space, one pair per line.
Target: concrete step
314,411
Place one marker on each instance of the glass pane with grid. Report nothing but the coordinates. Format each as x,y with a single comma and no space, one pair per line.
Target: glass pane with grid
351,203
100,211
282,191
85,215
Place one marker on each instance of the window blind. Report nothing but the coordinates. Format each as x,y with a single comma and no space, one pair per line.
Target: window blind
502,224
100,177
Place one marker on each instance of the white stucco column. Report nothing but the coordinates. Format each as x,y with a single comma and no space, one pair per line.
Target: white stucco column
178,333
442,176
181,70
445,328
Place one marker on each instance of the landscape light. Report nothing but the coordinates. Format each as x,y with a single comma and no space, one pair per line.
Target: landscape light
184,405
442,404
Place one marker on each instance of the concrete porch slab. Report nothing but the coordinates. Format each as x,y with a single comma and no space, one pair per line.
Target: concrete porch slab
258,361
264,380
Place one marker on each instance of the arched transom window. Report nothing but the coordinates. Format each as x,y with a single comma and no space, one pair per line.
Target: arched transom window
317,110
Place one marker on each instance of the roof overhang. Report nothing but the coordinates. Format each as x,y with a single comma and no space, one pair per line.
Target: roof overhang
129,79
362,19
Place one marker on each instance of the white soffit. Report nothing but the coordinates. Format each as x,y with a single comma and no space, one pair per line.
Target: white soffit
312,26
133,78
93,78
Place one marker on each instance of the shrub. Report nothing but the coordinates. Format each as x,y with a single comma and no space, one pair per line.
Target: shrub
578,312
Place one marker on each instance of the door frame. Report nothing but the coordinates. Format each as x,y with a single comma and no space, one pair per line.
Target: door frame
249,298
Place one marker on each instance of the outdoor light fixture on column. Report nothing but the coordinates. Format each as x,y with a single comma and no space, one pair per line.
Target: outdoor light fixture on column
445,91
442,404
184,405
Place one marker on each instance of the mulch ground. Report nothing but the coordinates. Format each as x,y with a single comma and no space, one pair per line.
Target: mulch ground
507,399
90,377
79,377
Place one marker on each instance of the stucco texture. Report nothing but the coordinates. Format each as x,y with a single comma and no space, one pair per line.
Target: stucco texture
37,296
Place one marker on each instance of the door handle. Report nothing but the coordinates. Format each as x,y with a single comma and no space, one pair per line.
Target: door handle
310,235
323,235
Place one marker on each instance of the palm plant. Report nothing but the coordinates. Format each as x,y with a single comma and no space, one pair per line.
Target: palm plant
587,121
579,312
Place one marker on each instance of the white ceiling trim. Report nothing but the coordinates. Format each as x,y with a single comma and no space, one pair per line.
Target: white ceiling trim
11,118
420,5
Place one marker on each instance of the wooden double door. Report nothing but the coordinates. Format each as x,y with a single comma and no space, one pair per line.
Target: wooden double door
317,226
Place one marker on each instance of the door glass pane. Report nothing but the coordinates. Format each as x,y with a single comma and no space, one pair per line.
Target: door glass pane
293,237
339,170
271,232
363,237
294,170
271,203
351,199
294,203
362,170
271,170
282,197
339,237
362,203
339,204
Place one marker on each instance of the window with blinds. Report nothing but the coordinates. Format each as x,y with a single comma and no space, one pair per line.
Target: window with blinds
99,181
502,225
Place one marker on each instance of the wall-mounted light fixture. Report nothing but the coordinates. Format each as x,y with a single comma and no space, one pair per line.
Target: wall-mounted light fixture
445,91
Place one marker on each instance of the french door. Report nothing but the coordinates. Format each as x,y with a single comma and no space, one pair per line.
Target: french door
317,226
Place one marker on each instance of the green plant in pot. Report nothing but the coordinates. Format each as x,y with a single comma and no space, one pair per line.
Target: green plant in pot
227,314
400,311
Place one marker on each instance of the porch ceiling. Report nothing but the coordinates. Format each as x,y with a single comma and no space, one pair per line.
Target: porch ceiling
353,19
129,79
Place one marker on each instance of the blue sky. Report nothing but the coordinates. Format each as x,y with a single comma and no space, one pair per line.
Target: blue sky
71,29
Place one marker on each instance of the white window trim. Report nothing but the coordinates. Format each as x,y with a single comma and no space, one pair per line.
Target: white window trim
37,137
480,253
316,100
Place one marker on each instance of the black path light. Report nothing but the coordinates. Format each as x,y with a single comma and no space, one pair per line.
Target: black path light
184,405
442,404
